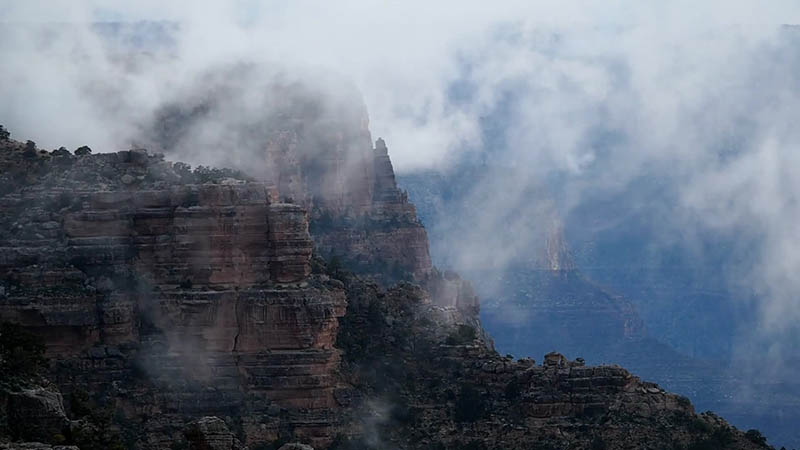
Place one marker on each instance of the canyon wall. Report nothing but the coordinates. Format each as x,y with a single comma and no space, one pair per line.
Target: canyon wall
188,304
176,300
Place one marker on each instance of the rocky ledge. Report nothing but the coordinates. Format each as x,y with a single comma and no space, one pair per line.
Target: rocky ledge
184,309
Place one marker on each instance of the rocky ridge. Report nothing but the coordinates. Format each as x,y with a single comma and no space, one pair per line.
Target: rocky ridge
170,295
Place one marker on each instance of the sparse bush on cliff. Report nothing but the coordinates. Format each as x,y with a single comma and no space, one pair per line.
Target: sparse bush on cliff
95,427
83,150
30,150
61,151
203,174
756,437
334,268
79,403
184,171
4,134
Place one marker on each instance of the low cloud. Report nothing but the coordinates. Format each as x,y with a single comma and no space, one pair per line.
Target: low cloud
582,101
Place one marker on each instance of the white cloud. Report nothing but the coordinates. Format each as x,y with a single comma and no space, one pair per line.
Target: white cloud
676,84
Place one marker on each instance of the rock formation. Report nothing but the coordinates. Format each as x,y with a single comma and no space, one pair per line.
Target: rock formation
436,391
210,433
189,286
314,145
188,305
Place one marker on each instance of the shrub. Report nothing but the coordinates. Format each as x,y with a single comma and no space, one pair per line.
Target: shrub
699,425
4,134
30,150
21,352
62,151
335,267
83,150
80,404
756,437
184,171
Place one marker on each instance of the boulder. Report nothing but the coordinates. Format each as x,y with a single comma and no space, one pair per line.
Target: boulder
296,446
210,433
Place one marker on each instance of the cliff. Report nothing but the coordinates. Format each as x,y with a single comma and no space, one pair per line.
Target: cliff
311,140
172,299
184,308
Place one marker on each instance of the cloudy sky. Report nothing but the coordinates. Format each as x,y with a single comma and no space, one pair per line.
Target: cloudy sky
701,94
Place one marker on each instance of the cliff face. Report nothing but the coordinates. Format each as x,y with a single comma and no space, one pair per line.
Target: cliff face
386,238
315,147
431,385
170,295
191,286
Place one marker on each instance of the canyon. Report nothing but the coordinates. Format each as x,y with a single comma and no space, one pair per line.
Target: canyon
297,302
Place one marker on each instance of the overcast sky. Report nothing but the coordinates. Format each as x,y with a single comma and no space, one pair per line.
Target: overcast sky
702,93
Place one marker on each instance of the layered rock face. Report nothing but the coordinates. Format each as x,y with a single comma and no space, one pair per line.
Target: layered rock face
174,299
188,304
387,239
425,390
314,145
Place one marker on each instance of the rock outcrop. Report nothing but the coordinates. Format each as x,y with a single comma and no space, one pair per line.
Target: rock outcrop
425,383
34,414
313,143
387,239
173,299
210,433
188,305
35,446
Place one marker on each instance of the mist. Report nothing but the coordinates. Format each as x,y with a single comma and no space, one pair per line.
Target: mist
571,102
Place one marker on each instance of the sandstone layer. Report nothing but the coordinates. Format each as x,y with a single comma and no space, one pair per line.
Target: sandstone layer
174,299
184,309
